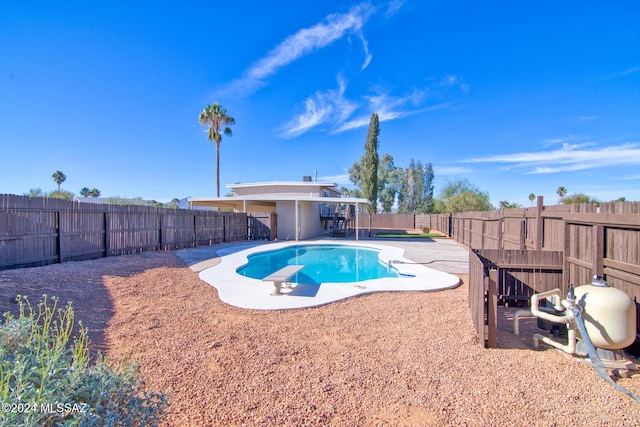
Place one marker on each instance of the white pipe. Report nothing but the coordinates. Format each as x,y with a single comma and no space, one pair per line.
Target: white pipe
516,319
357,223
570,347
567,318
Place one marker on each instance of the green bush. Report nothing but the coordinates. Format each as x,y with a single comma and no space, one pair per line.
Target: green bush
426,229
47,380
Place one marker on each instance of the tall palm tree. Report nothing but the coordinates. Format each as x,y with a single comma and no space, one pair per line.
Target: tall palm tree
532,198
561,191
218,121
59,178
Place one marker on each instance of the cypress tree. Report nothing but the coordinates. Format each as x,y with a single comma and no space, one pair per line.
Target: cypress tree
369,182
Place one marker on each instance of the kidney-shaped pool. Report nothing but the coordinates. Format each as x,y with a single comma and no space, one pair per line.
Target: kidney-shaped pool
331,272
322,264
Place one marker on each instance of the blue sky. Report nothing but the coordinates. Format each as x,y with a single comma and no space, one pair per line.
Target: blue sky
516,97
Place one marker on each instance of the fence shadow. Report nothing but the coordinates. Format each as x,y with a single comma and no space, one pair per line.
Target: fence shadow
82,283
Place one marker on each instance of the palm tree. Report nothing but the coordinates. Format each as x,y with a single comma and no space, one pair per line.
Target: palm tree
561,191
85,192
532,198
216,118
59,178
94,192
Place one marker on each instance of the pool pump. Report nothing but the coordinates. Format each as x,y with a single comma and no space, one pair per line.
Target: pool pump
600,322
608,314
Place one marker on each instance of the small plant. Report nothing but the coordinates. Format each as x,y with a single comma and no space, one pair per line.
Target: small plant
426,229
46,379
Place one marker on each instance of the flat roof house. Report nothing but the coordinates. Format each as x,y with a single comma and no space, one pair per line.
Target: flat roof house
304,209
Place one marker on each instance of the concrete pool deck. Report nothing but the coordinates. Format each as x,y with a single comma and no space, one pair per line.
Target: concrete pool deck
428,261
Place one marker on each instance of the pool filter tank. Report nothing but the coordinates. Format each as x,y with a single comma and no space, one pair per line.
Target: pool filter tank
609,315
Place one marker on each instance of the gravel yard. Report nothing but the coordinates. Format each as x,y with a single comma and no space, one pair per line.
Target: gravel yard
389,359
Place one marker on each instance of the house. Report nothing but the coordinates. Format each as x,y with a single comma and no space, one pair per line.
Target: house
303,209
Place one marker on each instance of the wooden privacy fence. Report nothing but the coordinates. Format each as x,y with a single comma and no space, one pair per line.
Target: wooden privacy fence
581,240
387,221
602,240
39,231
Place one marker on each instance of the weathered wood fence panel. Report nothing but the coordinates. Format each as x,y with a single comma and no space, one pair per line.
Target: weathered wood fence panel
508,277
236,227
263,226
209,228
392,221
478,296
39,231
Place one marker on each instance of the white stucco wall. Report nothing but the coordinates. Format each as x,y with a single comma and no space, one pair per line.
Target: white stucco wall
309,220
286,220
305,189
311,225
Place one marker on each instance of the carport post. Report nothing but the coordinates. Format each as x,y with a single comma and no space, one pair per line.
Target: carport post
357,223
297,221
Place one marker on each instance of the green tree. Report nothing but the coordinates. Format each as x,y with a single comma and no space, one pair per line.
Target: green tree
462,196
468,201
85,192
532,197
561,192
36,192
407,189
387,183
94,192
369,183
355,172
425,202
415,188
59,178
505,204
578,198
61,194
218,121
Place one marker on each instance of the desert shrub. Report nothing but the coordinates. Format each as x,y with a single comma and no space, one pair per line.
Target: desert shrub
426,229
47,379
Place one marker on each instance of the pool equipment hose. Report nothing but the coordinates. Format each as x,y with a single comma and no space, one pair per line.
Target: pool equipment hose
572,318
397,261
593,355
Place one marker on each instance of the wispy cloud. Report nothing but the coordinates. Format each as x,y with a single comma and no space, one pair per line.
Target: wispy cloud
393,7
304,42
390,108
451,170
625,73
630,177
332,109
387,107
568,158
320,108
342,179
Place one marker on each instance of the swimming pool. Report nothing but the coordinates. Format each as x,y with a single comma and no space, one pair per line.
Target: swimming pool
248,292
322,264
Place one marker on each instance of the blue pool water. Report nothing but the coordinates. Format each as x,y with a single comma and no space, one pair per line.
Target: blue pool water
323,263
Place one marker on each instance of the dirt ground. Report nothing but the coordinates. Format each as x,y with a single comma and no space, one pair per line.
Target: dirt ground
388,359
